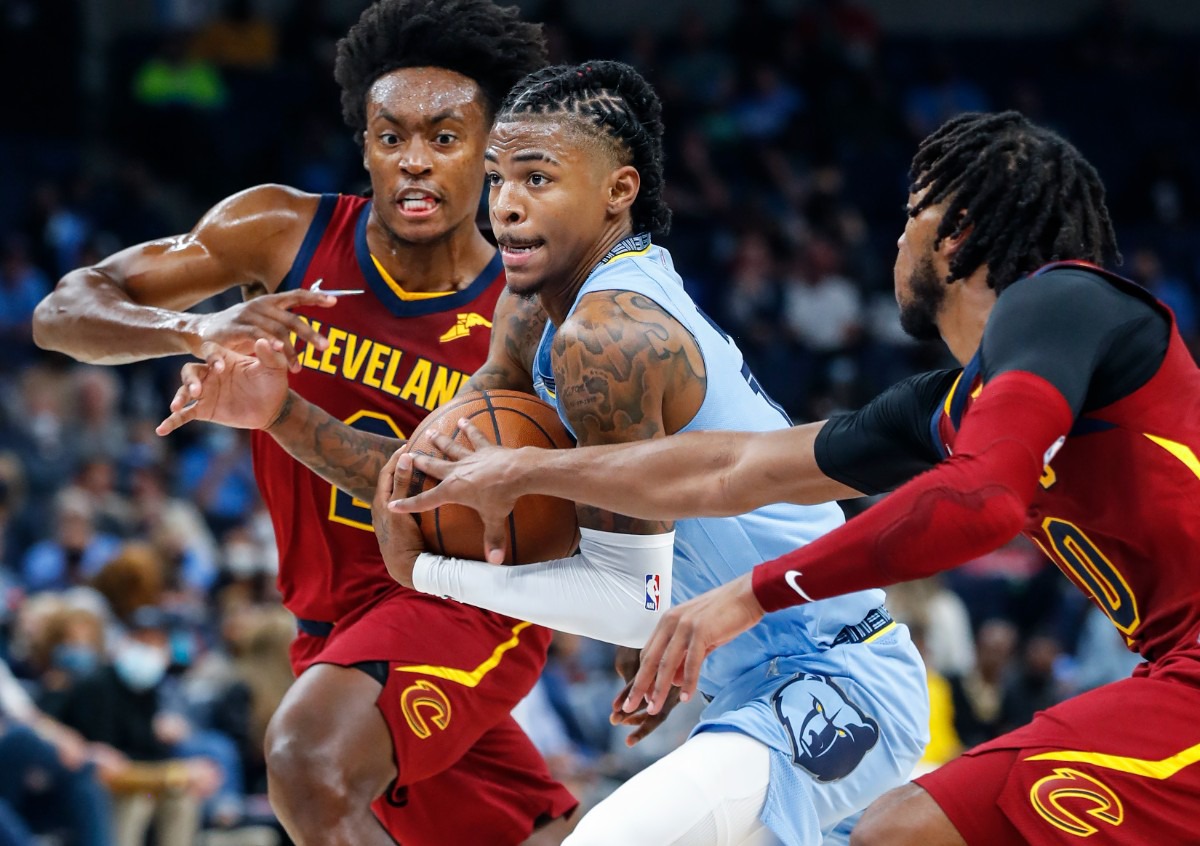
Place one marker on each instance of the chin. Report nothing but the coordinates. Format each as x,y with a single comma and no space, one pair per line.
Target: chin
524,286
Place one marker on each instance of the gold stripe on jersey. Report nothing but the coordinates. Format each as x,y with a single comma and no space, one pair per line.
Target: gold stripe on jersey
407,296
469,678
1180,451
1159,770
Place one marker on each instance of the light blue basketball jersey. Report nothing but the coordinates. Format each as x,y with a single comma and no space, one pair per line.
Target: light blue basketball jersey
844,721
712,551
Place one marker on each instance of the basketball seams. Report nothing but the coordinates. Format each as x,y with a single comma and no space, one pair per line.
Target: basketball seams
515,417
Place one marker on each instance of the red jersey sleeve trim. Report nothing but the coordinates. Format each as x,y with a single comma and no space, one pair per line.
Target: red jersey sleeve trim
966,506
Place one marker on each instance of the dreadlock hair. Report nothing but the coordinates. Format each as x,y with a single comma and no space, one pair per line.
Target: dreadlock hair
476,38
1027,196
613,102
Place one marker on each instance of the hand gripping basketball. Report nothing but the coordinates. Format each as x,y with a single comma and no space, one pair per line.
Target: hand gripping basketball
477,510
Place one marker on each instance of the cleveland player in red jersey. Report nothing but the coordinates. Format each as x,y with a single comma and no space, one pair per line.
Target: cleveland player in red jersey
1075,419
383,308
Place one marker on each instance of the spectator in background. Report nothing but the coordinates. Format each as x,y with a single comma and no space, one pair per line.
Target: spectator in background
48,781
22,286
217,474
96,424
943,93
1146,269
118,705
978,695
179,533
238,39
75,553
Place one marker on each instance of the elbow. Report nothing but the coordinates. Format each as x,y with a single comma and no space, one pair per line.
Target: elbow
45,321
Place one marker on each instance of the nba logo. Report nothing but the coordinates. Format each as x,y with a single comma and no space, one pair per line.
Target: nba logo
652,592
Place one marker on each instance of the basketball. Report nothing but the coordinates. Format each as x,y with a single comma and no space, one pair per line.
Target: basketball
540,528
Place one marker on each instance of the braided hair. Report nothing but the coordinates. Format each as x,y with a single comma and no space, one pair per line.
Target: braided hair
1027,196
617,106
476,38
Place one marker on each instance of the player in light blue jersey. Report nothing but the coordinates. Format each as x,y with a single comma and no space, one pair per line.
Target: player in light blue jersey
813,712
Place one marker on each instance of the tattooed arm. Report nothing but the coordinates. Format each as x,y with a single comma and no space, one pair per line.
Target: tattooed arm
251,392
627,371
516,330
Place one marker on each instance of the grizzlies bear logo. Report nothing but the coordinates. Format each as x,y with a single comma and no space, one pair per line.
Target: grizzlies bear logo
834,734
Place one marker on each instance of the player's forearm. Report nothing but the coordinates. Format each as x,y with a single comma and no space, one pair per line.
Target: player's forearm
347,458
695,474
90,318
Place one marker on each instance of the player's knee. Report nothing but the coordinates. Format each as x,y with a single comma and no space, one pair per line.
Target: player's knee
303,776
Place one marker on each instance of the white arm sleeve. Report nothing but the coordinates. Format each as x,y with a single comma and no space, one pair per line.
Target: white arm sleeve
615,589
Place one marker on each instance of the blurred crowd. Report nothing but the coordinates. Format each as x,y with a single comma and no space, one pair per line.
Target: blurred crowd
142,646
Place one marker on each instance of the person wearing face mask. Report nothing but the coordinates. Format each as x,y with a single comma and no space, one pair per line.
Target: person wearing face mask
119,705
46,765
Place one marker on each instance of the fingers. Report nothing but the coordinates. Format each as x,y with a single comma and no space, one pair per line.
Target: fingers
475,435
386,482
271,354
495,539
454,449
690,680
184,415
430,465
652,654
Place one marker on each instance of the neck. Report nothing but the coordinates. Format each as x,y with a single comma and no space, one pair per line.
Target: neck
449,263
559,300
964,315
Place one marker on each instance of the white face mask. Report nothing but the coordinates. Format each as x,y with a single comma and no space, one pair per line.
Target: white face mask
140,665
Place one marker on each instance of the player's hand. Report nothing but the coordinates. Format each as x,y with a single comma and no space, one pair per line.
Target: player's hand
242,391
483,477
238,327
399,536
684,637
627,662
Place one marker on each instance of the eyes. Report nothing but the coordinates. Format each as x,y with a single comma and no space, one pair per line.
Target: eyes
441,139
534,180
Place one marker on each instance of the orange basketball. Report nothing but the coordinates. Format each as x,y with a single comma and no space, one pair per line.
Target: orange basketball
540,528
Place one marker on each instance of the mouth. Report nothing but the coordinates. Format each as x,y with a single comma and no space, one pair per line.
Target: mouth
417,204
515,252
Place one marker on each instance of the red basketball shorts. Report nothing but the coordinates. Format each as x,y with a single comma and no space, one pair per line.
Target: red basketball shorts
466,770
1116,765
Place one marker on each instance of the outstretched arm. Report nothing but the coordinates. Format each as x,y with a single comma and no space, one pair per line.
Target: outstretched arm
968,505
130,306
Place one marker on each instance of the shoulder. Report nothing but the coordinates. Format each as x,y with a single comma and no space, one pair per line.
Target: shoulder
268,207
1057,289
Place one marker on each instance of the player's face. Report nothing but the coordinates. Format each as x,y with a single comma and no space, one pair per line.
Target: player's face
920,291
423,147
548,198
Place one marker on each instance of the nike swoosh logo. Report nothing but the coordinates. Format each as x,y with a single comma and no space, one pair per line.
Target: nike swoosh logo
1159,770
790,577
341,292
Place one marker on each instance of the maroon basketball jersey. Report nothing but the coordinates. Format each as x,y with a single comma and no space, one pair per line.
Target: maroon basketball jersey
1118,508
392,358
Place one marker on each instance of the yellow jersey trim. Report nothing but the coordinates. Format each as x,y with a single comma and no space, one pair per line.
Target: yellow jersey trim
469,678
629,254
407,296
1159,770
1183,453
881,632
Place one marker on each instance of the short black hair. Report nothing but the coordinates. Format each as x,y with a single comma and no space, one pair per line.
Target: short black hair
1026,194
616,102
476,38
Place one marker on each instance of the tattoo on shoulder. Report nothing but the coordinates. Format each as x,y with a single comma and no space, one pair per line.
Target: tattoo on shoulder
614,366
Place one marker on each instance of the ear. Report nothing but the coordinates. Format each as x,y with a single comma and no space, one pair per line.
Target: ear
364,150
623,186
950,246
